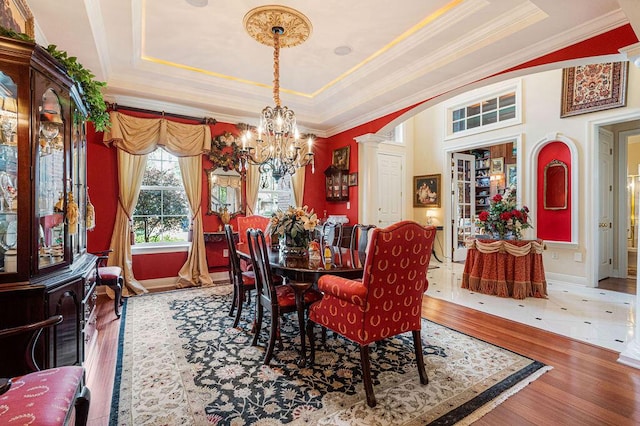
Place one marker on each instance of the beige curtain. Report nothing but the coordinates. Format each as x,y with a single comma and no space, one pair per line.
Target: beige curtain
253,183
297,182
135,137
195,271
130,172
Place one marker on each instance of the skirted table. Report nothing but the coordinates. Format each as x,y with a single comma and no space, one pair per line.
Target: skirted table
505,268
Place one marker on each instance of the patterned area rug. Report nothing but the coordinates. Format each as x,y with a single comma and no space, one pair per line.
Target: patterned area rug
180,362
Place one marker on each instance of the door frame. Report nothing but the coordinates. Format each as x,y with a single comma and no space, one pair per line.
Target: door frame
515,138
623,152
591,219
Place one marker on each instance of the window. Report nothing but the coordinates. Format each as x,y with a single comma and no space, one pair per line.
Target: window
491,111
273,196
162,212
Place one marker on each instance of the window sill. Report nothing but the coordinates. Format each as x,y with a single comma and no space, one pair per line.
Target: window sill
159,248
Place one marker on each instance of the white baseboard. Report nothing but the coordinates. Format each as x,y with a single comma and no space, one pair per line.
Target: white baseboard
567,279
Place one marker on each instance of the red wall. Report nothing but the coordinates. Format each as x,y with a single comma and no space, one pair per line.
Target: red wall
554,225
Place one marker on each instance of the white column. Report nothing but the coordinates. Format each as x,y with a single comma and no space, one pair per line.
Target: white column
631,354
368,177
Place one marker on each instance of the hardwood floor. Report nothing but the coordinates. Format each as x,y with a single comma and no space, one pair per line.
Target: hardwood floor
622,285
586,386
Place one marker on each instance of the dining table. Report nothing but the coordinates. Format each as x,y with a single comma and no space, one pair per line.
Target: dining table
346,263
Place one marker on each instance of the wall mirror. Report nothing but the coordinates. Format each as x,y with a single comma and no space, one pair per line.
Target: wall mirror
555,185
225,192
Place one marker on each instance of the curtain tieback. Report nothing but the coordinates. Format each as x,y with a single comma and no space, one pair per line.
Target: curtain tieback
132,235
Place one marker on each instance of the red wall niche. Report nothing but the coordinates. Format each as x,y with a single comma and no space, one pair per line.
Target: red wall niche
553,225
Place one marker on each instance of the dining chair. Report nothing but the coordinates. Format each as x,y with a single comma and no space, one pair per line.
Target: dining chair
244,282
278,299
358,241
250,222
110,276
331,236
388,299
46,397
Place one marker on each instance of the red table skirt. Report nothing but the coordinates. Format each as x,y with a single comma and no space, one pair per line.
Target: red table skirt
505,268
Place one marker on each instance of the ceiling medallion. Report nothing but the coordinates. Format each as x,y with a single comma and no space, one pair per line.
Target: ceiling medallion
259,24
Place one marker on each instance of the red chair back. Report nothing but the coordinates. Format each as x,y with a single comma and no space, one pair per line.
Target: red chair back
395,276
248,222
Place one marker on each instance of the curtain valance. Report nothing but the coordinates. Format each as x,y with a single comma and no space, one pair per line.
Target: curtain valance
140,136
234,182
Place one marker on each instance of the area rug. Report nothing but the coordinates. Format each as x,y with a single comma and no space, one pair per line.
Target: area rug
180,362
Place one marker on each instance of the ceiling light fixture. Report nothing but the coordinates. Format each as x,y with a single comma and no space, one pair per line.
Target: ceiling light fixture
198,3
277,147
342,50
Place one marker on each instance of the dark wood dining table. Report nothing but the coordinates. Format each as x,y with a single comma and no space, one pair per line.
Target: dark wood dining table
347,264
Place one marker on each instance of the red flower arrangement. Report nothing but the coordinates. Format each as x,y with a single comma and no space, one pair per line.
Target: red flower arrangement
504,218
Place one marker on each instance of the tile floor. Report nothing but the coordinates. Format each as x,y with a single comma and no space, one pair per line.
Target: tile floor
600,317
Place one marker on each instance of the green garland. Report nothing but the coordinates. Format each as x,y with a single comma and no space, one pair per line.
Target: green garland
90,89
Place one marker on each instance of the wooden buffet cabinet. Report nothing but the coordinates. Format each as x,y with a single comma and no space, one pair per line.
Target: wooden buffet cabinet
44,266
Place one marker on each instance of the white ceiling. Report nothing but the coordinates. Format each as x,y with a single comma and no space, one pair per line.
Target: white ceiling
168,55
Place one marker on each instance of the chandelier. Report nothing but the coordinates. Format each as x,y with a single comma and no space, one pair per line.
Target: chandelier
277,147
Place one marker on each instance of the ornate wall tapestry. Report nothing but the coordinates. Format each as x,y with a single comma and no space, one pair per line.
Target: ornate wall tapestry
594,87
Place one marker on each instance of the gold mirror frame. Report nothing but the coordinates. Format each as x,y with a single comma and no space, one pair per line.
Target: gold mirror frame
222,208
555,185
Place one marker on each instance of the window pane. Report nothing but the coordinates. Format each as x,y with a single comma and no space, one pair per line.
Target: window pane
473,122
489,105
507,113
508,99
489,118
473,110
147,229
458,126
149,202
174,203
458,114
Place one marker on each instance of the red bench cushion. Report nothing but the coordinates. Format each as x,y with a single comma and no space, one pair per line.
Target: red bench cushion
43,398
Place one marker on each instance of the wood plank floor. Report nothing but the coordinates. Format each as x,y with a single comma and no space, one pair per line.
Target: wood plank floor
586,386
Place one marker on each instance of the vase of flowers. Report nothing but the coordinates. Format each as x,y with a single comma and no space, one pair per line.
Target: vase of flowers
504,219
293,228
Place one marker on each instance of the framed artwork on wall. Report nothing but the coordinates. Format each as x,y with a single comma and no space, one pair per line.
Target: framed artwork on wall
512,175
353,179
16,15
341,157
497,165
593,87
426,190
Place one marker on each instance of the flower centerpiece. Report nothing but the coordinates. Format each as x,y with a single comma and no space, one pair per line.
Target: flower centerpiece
294,228
504,219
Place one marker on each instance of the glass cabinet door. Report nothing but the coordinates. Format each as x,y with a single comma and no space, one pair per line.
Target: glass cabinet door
8,174
78,180
50,197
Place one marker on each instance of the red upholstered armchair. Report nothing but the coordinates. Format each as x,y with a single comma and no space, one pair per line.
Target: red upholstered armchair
46,397
388,300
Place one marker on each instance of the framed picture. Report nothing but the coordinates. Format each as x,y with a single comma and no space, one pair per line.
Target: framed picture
16,15
512,175
426,191
593,87
497,165
353,179
341,158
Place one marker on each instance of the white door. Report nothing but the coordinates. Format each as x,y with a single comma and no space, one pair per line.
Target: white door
389,189
605,203
463,204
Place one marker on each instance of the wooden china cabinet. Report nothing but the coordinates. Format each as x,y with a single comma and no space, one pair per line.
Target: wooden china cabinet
44,267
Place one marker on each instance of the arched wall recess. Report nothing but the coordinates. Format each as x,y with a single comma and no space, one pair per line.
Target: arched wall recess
556,224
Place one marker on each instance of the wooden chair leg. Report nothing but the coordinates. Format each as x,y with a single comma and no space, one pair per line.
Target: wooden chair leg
417,344
258,324
239,301
366,375
83,400
273,336
117,289
312,345
234,300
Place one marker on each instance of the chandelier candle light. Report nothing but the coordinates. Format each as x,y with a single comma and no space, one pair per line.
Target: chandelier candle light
277,147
